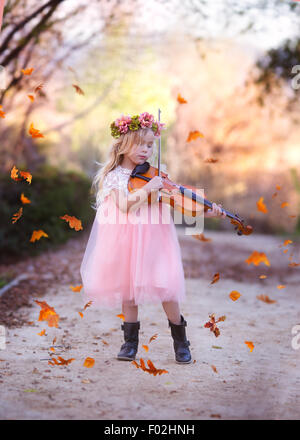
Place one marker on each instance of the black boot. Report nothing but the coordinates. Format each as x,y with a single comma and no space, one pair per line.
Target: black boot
180,343
131,337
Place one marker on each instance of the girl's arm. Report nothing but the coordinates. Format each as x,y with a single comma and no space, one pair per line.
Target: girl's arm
134,199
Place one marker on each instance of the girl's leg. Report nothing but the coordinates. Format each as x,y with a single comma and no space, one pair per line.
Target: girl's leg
130,311
172,311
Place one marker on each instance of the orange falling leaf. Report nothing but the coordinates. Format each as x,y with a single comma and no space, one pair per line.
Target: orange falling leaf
2,113
36,235
274,195
27,71
193,135
54,340
17,215
14,173
121,316
285,251
283,204
153,338
42,332
258,257
250,345
281,286
211,160
31,97
104,342
293,264
76,288
74,223
234,295
27,176
24,199
88,304
214,368
261,206
52,349
35,133
145,347
38,87
78,89
286,242
278,187
89,362
180,99
292,216
216,278
80,314
265,299
201,237
212,324
48,314
263,276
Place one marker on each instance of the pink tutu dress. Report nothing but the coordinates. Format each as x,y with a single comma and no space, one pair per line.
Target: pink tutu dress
135,257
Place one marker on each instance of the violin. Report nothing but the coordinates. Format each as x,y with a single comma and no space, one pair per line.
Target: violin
182,198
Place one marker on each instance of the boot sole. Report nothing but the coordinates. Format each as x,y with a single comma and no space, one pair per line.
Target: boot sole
188,362
125,359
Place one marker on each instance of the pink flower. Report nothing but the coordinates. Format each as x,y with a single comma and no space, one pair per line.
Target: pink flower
123,122
146,120
160,127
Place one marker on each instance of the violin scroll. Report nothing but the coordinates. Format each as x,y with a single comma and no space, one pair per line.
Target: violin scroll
239,225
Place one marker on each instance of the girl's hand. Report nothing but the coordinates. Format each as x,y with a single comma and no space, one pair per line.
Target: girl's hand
216,211
155,183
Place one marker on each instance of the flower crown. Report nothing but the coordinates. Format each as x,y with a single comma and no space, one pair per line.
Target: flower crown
133,123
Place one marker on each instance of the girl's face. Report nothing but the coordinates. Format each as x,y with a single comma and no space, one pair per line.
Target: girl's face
143,151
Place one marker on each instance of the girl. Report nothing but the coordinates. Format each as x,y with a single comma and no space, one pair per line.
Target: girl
135,262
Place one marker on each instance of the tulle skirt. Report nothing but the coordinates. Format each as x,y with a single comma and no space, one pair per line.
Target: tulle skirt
132,257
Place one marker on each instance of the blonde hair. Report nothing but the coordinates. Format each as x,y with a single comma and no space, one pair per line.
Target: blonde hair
125,144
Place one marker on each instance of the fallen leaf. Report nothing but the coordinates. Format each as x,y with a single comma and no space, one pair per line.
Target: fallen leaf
265,299
250,345
216,278
258,257
76,288
88,304
42,332
234,295
201,237
153,338
89,362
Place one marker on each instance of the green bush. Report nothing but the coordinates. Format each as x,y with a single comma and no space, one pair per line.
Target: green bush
52,193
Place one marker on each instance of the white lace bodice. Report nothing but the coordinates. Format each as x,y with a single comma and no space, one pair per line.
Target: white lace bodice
116,178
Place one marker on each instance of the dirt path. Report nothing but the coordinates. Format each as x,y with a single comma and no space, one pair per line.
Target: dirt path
263,384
